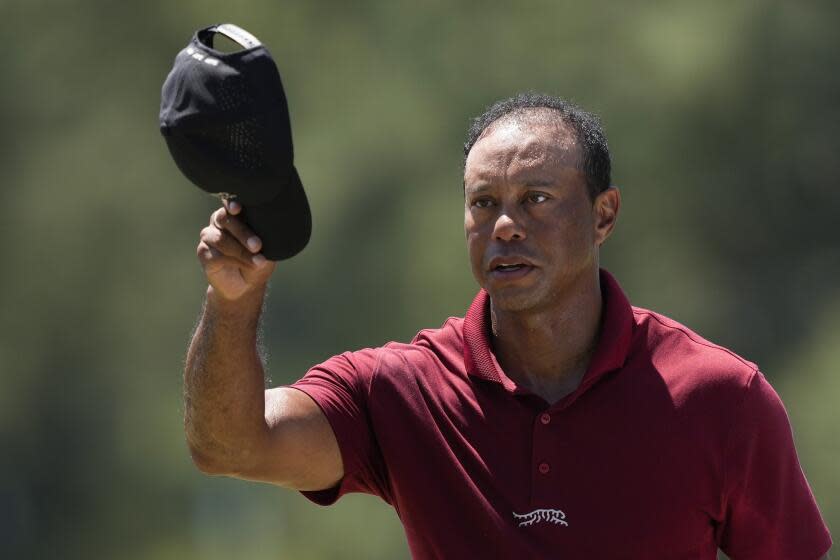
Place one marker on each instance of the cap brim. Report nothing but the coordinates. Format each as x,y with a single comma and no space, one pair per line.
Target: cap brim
284,223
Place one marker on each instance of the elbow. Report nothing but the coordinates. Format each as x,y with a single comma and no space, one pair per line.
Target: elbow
224,452
207,465
220,460
209,462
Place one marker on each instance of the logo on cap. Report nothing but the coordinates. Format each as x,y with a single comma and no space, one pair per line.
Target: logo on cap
201,57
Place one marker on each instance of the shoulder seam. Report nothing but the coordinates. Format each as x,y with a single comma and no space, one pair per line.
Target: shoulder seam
387,488
375,372
692,337
726,454
421,331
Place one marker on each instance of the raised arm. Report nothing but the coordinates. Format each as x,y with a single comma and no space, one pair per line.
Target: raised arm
234,426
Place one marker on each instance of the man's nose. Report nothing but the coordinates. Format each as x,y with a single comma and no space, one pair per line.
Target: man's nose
508,228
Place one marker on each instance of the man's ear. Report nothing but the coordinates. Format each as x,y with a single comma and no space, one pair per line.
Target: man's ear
606,207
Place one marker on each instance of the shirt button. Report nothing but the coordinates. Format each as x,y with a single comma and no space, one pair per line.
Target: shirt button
545,418
544,468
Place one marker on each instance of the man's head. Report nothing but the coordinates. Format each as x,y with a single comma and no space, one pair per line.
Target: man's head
538,204
594,152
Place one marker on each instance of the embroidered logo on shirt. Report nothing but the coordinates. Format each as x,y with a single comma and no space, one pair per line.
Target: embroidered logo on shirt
541,515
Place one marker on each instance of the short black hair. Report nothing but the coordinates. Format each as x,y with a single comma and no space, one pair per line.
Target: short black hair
586,127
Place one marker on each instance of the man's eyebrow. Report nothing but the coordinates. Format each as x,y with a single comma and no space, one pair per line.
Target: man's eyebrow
539,183
481,187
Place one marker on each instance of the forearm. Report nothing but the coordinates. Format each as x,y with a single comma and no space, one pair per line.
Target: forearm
224,385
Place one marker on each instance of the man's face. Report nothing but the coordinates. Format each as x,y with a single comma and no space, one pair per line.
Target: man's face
532,230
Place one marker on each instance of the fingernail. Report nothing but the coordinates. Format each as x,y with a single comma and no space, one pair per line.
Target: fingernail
234,206
258,260
253,243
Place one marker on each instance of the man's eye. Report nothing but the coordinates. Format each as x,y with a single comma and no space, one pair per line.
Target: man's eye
537,198
483,203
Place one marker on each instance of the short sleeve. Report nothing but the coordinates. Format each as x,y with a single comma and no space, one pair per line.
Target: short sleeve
770,510
340,386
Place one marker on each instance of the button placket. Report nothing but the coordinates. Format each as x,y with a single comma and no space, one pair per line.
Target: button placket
546,457
542,439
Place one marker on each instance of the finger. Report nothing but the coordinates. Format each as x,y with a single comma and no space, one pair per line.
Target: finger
226,244
232,206
214,217
236,226
229,246
214,260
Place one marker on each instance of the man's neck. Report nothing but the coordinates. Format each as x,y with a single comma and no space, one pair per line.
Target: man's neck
549,351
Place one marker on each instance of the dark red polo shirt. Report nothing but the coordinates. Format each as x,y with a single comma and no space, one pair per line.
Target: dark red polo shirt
670,448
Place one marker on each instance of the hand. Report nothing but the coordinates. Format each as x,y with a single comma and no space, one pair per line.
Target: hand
229,253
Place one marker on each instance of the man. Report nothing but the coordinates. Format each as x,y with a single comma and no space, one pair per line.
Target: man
553,421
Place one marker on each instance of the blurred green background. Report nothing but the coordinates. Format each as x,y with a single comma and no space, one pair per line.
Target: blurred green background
722,117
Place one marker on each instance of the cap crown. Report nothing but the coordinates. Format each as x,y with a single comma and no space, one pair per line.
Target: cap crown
226,120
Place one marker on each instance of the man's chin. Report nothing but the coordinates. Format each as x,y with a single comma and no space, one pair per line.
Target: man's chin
513,300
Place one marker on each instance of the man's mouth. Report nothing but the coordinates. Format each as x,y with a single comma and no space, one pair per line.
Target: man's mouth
510,268
508,262
506,267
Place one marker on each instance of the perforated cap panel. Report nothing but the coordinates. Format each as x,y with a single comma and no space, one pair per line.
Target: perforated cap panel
226,123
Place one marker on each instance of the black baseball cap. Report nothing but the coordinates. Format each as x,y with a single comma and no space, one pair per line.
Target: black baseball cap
225,119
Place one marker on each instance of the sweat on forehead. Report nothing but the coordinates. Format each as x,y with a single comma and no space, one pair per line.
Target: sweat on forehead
530,117
537,121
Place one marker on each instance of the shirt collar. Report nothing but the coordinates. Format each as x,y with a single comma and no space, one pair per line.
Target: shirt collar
610,352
